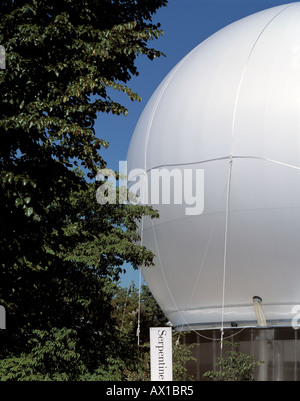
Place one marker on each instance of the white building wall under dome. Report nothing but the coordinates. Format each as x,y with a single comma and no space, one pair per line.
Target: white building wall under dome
232,108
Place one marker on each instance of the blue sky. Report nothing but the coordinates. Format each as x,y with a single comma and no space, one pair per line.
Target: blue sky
186,23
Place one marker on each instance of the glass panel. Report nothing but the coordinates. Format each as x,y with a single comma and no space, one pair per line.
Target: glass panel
278,347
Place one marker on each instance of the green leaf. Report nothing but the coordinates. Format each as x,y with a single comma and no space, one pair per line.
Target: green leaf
18,202
28,211
27,200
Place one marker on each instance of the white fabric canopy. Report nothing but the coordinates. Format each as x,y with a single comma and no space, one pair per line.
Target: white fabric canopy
232,103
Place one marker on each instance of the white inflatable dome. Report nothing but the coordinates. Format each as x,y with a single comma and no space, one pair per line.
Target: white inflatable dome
230,108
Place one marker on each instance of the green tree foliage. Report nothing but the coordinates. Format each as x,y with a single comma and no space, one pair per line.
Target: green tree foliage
133,310
61,252
235,366
131,306
181,354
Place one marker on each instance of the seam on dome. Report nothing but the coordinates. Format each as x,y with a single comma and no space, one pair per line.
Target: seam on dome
245,68
161,93
179,65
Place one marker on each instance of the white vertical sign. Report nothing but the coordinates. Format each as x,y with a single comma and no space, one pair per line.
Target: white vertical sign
161,353
2,317
2,58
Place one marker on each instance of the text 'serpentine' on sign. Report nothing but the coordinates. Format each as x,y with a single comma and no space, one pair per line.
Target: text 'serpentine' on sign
161,353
